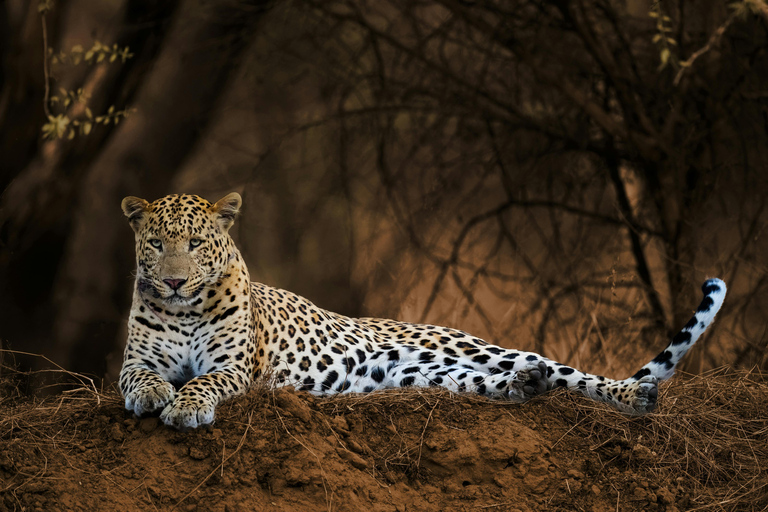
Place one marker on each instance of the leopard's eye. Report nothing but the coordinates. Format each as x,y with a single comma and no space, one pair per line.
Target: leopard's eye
157,244
195,242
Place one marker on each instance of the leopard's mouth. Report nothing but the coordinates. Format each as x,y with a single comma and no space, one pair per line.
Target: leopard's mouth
176,297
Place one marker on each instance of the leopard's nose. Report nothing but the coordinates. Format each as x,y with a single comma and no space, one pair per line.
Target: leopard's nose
175,284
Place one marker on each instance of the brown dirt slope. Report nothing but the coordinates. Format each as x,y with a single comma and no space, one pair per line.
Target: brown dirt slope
402,450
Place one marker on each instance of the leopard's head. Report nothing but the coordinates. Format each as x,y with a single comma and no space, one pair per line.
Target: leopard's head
182,244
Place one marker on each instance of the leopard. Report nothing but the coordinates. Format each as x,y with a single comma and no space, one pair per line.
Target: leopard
200,332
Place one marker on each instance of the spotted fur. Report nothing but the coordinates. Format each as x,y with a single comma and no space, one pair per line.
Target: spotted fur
199,332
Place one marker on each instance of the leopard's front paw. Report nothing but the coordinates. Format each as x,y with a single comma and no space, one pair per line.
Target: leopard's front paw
148,399
188,412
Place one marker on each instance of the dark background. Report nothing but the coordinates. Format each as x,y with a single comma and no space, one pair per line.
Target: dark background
552,176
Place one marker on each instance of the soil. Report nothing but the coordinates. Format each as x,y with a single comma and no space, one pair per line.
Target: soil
398,450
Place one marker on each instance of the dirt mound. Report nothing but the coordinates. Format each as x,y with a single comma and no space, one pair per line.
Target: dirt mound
401,450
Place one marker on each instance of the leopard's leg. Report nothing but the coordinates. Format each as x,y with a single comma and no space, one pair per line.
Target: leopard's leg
193,405
196,401
518,386
144,389
631,396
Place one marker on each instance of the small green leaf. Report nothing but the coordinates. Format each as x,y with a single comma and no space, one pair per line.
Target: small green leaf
665,53
88,113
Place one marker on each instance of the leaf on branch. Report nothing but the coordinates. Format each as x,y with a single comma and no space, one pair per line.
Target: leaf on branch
664,56
56,127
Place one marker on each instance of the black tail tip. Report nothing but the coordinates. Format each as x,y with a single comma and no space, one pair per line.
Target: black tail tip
713,285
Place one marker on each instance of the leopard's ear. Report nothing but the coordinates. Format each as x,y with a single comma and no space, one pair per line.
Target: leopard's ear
135,209
226,209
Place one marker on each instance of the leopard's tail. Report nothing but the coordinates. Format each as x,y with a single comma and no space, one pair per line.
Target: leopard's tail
663,365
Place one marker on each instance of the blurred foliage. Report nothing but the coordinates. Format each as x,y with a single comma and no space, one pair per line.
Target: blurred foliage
63,125
665,43
96,54
558,177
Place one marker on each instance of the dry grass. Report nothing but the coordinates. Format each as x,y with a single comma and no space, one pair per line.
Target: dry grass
710,429
709,436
